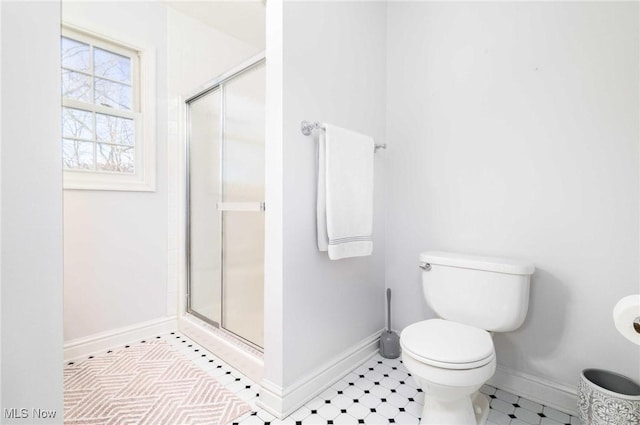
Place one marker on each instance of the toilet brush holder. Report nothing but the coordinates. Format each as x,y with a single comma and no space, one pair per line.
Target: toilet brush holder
389,340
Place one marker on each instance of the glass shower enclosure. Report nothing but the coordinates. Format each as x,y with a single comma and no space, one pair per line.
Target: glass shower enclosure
225,202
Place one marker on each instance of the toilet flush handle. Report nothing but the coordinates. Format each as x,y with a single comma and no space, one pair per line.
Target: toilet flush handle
425,266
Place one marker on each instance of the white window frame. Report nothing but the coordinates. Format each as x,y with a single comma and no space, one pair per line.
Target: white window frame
143,113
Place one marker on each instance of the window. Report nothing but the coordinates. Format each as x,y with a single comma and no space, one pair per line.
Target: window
106,140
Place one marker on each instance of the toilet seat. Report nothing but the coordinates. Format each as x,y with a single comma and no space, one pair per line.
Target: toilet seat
448,345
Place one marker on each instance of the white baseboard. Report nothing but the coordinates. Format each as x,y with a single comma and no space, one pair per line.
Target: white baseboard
96,343
281,402
534,388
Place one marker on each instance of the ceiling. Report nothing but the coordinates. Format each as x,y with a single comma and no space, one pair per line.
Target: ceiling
242,19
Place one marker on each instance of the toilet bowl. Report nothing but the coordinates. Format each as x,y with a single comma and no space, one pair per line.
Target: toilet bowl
451,372
452,356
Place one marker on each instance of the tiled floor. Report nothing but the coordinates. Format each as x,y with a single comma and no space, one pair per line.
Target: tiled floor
381,391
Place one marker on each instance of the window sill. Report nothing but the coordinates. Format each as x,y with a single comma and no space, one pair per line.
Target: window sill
90,181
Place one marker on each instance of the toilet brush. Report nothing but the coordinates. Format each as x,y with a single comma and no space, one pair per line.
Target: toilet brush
389,340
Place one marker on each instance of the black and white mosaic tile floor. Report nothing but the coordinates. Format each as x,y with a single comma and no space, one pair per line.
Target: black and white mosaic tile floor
380,391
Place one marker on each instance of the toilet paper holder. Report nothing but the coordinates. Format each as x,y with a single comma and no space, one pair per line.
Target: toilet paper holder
626,317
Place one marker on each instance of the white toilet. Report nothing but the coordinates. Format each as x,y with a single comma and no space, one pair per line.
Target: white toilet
451,357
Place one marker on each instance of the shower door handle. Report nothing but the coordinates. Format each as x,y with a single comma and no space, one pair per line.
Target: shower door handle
241,206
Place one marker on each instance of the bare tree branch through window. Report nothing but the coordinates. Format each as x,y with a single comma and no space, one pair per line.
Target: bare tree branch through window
97,88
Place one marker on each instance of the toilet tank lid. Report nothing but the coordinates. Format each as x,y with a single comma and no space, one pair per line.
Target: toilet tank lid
492,264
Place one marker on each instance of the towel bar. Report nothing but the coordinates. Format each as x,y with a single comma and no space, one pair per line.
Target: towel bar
307,127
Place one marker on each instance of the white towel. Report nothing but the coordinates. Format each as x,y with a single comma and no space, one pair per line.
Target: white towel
345,193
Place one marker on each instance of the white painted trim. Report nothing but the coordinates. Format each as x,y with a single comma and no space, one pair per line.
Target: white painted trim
178,232
144,177
534,388
274,189
281,402
0,193
83,347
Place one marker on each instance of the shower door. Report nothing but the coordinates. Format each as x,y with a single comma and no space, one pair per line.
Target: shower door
225,229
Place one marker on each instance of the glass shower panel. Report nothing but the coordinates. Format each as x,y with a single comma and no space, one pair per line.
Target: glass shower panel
205,221
243,226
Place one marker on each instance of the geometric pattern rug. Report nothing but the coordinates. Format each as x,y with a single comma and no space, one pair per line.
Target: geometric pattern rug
146,384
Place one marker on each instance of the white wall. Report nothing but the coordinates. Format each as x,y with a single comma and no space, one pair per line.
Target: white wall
115,243
513,131
334,71
31,223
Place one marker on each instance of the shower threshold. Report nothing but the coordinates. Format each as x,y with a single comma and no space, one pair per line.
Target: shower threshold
227,346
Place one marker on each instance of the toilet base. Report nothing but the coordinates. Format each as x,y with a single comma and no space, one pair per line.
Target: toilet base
480,407
468,410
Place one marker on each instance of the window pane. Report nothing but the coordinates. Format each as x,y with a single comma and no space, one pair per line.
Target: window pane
76,86
115,95
115,158
74,54
77,123
77,154
111,65
114,129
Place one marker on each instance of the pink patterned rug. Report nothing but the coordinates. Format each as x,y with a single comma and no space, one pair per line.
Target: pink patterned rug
148,384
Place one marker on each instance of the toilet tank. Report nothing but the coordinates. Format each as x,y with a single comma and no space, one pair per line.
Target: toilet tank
485,292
